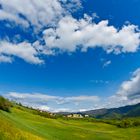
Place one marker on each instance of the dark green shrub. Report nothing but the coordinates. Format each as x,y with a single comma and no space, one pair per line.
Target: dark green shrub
5,104
136,123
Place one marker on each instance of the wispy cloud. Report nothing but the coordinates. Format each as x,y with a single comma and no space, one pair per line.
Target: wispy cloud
107,63
53,103
99,81
127,94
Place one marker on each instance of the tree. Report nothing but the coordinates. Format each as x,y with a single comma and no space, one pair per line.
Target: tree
5,104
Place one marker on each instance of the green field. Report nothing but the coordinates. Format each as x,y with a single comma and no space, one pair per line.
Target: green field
21,124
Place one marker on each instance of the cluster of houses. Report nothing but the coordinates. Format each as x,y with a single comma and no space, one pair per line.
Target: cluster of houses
74,115
77,116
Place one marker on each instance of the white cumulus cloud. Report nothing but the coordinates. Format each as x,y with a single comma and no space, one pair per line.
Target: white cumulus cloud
128,93
21,50
61,31
131,88
38,13
72,33
5,59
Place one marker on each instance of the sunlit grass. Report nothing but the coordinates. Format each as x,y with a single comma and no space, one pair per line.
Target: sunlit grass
22,124
9,132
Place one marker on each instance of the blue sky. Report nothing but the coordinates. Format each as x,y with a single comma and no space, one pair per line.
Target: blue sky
70,55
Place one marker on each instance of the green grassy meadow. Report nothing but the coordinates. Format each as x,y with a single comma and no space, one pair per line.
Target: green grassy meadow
21,124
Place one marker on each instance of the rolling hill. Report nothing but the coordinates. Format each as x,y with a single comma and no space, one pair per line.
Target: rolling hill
126,111
113,113
21,123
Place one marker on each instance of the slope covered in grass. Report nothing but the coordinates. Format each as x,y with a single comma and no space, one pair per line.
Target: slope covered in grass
9,130
21,124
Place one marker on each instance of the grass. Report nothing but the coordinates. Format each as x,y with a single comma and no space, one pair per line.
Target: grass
22,124
8,131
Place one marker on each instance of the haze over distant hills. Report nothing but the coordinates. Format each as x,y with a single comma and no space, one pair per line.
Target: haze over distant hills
126,111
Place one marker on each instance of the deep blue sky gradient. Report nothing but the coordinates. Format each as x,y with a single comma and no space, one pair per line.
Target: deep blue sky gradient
74,74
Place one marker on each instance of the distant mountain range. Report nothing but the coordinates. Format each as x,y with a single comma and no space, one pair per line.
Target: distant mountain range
116,113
